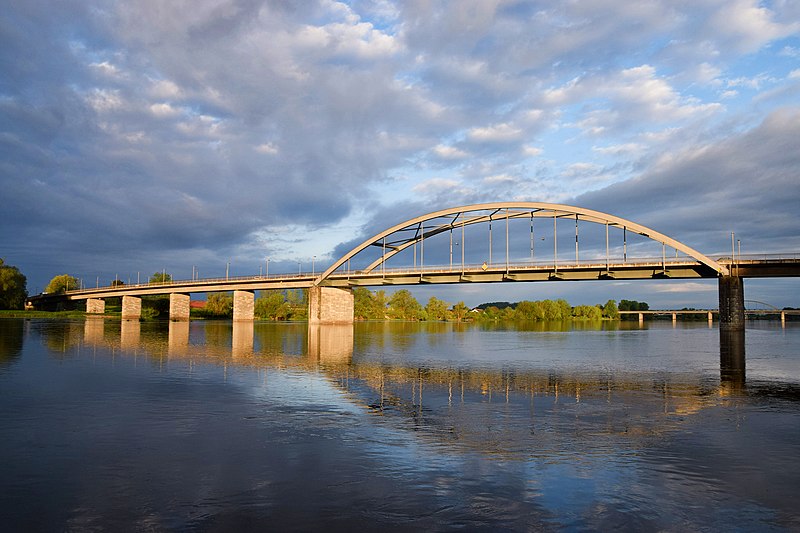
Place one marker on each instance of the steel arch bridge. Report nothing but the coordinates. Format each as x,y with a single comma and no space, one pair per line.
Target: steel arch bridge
414,232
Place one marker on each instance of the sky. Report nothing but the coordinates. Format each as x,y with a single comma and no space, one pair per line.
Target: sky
137,136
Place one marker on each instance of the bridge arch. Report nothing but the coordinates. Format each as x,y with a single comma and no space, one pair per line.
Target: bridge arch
412,231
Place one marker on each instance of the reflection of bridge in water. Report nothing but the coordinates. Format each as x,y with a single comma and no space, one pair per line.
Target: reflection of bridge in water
393,388
443,401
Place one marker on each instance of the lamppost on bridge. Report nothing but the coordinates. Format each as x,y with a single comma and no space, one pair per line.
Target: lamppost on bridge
313,261
227,269
266,269
299,266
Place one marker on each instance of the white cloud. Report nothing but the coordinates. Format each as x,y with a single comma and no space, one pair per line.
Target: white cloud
435,185
267,148
496,133
685,287
164,110
746,25
449,152
499,178
531,151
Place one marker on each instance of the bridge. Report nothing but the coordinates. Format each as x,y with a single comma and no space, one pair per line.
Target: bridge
618,249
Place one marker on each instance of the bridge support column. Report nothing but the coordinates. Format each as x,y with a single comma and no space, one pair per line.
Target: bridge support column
179,305
330,305
243,305
95,306
731,303
641,318
131,308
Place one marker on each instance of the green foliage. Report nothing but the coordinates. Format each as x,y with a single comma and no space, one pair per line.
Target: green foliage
62,283
369,305
633,305
13,287
496,305
148,313
610,310
290,304
271,305
117,283
219,304
160,277
436,309
587,312
404,306
460,311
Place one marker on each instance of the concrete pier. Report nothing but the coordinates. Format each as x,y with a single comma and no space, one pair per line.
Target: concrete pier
131,308
330,305
243,305
95,306
731,303
179,305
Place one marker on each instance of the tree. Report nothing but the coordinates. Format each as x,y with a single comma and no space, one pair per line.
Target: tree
161,277
403,305
13,287
460,311
62,283
590,312
368,305
117,283
219,304
436,309
363,303
633,305
610,310
271,305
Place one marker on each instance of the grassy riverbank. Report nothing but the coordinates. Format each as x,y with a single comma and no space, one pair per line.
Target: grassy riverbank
41,314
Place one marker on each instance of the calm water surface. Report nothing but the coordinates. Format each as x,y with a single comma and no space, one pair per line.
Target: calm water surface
210,426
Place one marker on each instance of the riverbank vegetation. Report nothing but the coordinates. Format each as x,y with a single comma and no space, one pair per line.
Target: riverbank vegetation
403,306
13,287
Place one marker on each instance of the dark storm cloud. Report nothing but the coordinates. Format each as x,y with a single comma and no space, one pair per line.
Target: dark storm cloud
748,183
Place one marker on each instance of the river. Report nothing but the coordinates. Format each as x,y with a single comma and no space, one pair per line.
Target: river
212,426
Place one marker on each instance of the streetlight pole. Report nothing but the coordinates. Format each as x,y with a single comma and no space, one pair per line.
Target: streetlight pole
227,269
313,262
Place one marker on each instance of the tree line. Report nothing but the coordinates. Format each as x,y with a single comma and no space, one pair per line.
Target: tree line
403,306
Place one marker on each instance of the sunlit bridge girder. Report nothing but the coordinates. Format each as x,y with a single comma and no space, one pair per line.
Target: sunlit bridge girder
401,236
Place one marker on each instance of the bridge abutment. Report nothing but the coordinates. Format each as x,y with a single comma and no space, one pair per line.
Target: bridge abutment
95,306
731,303
131,308
179,305
330,305
243,305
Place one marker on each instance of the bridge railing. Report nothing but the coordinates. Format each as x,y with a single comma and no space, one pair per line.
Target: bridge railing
457,267
773,258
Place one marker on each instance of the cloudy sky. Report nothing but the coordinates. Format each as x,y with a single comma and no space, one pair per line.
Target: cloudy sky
142,135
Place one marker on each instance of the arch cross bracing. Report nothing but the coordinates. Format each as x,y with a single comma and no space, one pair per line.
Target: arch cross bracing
401,236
